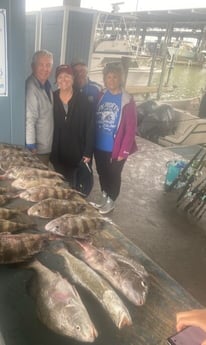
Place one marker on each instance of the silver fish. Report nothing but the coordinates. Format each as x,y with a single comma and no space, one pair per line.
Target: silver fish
84,276
9,226
59,305
42,192
27,172
52,208
75,225
122,273
25,183
21,247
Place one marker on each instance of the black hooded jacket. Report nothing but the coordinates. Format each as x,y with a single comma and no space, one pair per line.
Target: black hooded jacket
73,132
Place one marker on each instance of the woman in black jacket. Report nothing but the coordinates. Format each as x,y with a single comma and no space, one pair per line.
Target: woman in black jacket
73,125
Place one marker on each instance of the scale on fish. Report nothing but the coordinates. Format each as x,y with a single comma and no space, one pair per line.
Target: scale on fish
59,305
125,274
86,277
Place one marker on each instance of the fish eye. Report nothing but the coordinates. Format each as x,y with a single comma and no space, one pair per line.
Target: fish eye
143,283
57,227
78,328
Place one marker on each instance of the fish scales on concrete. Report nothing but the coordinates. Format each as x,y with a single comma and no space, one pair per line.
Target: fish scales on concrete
72,225
130,279
22,172
59,306
16,248
25,183
8,213
39,193
52,208
9,226
86,277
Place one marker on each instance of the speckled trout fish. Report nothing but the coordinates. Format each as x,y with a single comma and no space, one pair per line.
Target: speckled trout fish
21,247
75,225
42,192
125,274
59,305
86,277
52,208
26,172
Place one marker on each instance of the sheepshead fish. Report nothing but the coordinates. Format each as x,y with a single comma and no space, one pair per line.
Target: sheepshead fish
5,165
130,278
42,192
72,225
86,277
9,226
59,305
4,199
22,172
8,213
21,247
52,208
25,183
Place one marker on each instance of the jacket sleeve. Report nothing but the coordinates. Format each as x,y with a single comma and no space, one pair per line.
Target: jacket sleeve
130,128
32,112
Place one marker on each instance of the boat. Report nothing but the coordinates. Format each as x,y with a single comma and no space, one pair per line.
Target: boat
125,52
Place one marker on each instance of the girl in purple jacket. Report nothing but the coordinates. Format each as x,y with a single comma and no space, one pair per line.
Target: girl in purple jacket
116,126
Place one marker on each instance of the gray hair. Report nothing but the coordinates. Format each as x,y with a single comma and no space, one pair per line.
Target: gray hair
39,53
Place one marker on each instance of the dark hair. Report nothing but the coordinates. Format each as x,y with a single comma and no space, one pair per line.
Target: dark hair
116,68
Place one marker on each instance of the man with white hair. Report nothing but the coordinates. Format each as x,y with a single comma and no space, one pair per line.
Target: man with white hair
39,106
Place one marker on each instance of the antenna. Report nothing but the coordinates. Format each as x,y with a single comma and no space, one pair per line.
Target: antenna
116,7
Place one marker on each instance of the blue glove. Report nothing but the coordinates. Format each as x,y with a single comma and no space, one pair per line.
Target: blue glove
31,147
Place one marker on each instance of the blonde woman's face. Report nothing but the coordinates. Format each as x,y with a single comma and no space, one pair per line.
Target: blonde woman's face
64,81
112,82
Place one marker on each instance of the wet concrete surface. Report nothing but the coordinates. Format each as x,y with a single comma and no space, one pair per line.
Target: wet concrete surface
148,216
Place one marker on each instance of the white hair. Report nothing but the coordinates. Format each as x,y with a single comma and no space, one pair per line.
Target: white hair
39,53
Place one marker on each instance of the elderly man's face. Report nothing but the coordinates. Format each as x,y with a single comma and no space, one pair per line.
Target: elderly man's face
42,68
80,75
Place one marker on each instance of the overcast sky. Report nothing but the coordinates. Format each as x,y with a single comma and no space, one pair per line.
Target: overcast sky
129,5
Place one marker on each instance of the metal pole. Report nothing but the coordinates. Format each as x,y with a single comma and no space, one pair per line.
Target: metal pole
164,62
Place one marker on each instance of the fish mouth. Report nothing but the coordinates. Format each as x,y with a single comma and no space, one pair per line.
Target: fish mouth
124,321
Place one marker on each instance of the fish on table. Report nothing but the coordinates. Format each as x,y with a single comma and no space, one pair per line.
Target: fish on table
5,165
52,208
25,183
9,226
59,306
5,198
83,275
16,248
22,172
75,225
39,193
128,277
8,213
